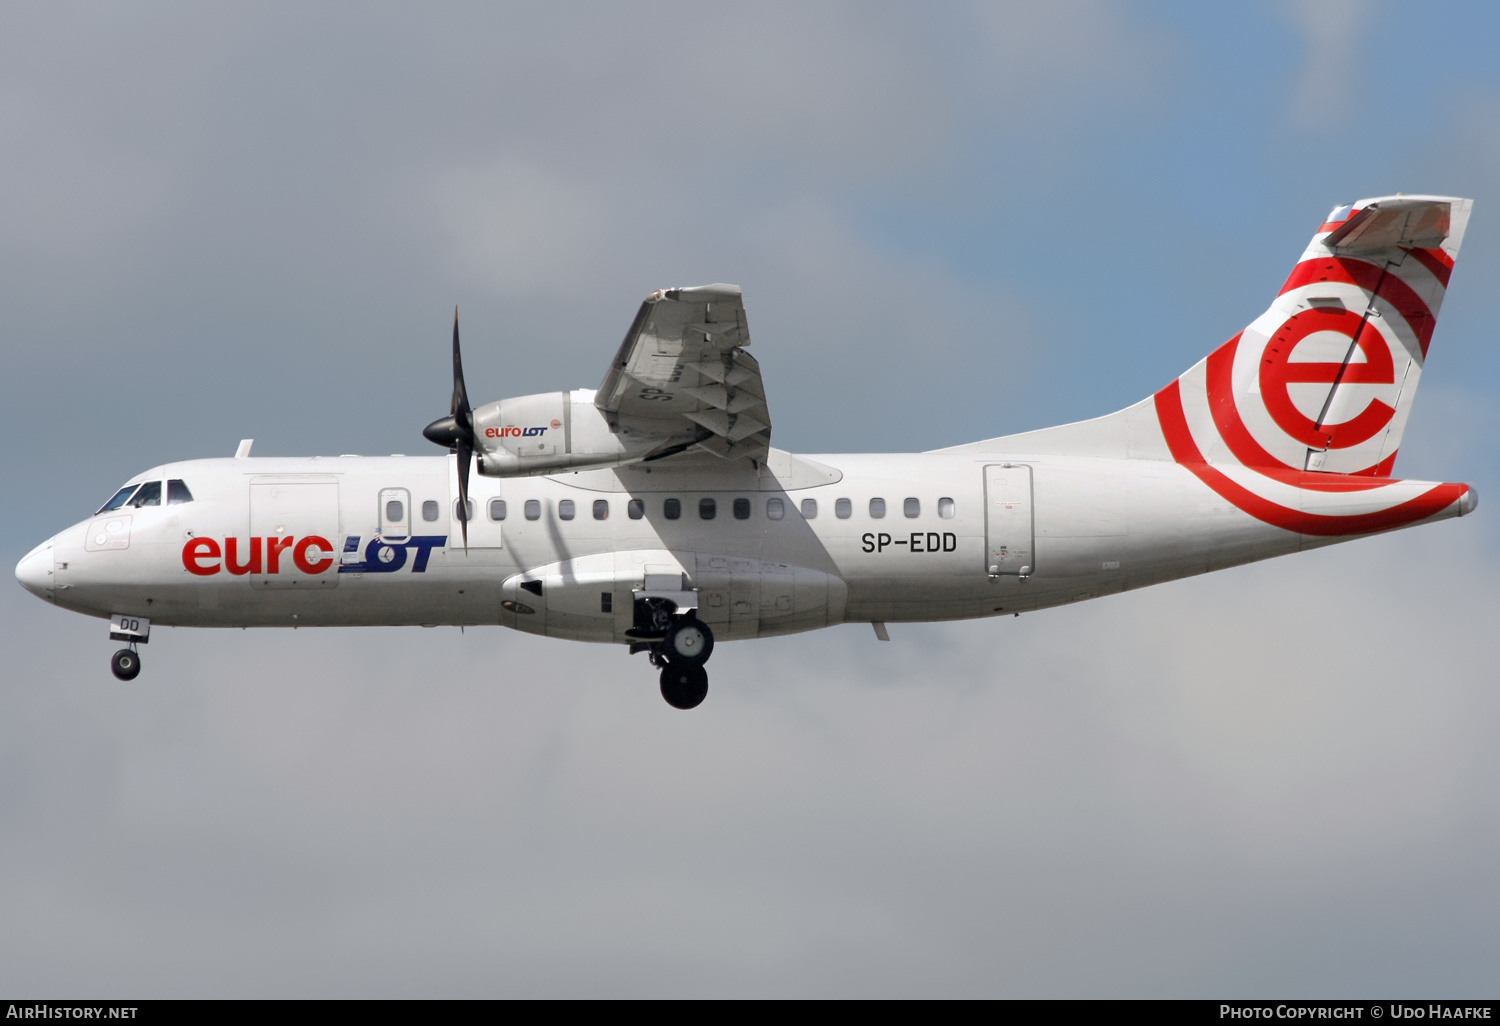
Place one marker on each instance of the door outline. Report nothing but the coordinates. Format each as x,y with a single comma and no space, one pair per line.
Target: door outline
1003,552
393,529
283,507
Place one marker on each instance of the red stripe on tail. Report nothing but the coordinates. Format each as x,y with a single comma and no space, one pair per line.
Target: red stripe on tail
1185,451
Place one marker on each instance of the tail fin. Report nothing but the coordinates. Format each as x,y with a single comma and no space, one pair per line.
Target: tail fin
1324,379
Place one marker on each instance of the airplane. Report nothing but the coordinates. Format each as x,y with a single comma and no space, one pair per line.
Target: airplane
653,512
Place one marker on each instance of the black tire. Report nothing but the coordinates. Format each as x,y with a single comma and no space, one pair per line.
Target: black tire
689,641
684,685
125,664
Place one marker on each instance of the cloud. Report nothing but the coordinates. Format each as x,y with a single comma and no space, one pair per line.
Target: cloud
1274,779
1205,787
1332,31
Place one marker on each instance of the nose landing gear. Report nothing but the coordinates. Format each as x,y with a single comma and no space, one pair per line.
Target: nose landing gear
133,630
126,663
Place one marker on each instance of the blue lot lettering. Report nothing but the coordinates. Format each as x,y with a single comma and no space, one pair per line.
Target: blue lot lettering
917,541
384,556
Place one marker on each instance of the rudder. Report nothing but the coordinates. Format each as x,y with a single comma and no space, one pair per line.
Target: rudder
1324,379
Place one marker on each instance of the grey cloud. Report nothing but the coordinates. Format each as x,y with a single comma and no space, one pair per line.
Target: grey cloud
253,220
288,198
1333,33
1224,785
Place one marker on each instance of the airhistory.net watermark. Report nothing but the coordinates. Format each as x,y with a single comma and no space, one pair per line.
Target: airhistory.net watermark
42,1010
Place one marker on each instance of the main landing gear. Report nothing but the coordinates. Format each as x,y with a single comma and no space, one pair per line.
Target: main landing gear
680,655
126,663
683,685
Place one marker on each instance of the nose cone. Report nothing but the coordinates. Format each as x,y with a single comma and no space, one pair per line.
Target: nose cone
34,571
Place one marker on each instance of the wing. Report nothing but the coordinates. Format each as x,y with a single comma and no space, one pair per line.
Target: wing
683,365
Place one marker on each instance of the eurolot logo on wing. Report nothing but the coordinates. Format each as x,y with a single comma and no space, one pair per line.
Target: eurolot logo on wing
519,432
312,554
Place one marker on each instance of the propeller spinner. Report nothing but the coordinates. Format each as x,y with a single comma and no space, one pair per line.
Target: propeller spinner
455,433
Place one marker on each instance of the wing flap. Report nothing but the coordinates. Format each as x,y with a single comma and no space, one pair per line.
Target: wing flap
683,363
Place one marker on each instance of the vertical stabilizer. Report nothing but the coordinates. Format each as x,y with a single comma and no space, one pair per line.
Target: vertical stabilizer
1324,380
1321,382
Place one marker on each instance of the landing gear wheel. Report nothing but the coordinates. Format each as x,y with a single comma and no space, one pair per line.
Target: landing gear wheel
125,664
684,685
689,641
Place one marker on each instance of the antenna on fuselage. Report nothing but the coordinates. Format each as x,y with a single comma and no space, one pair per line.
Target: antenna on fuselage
243,452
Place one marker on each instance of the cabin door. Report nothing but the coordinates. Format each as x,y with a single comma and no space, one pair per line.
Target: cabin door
1009,520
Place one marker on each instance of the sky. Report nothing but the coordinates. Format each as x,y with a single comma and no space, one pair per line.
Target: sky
951,222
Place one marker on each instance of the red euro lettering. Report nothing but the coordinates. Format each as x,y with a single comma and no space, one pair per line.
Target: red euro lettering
232,557
312,566
197,550
274,549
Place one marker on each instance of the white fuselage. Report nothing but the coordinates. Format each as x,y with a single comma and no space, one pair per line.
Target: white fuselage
313,542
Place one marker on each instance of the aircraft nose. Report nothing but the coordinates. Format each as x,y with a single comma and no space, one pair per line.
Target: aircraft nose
34,571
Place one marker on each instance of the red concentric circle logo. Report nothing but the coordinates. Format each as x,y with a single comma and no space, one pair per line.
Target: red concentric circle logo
1278,370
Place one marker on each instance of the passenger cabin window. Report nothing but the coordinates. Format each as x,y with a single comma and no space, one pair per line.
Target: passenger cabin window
430,511
843,509
497,509
945,508
742,509
912,508
395,515
565,509
877,509
671,509
149,494
601,509
809,509
533,509
177,492
118,499
707,509
463,512
636,509
775,509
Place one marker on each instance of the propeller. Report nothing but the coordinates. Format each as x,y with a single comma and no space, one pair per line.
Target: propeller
455,433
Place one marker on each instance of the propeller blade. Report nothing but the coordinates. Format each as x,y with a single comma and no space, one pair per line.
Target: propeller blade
465,454
455,433
459,409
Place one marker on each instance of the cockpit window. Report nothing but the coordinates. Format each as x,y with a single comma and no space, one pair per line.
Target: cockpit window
148,495
118,499
177,492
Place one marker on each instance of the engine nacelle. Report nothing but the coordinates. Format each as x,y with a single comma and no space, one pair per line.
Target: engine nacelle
552,431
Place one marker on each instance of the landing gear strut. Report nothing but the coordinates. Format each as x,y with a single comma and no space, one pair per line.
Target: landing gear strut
680,655
126,663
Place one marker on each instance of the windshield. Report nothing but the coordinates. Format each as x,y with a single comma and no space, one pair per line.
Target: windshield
149,495
118,500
